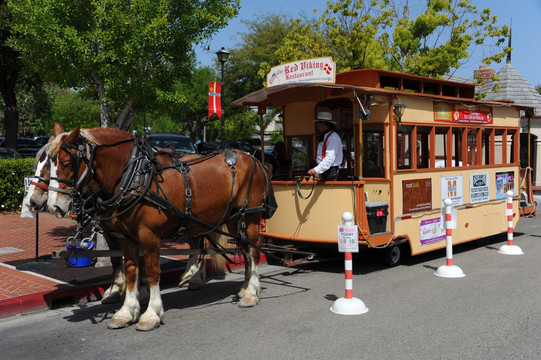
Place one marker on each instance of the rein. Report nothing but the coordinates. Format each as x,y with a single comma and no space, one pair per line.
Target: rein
298,187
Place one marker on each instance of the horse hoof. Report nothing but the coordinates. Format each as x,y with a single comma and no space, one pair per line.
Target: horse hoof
110,298
147,325
118,323
248,302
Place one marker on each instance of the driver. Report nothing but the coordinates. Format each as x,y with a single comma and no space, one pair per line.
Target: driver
329,149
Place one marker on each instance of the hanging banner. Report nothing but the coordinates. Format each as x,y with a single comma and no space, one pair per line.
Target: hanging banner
462,113
215,105
321,70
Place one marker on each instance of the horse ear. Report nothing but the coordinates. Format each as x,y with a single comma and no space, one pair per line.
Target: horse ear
73,135
58,129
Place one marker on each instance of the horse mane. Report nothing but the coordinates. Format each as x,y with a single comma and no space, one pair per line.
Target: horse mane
91,135
40,152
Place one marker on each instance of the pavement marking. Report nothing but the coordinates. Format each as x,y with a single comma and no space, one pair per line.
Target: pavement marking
9,250
38,275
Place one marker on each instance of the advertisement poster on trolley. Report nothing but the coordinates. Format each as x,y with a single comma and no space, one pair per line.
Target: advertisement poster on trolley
432,230
505,181
451,187
479,188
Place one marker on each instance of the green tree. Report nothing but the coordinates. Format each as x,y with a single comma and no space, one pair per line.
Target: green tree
70,107
388,34
10,68
538,88
126,52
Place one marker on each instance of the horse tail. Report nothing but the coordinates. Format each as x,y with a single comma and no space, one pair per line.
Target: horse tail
218,262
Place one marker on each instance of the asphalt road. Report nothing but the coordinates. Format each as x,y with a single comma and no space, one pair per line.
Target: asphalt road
491,313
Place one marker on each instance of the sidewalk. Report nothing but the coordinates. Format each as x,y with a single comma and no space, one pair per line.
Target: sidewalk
51,282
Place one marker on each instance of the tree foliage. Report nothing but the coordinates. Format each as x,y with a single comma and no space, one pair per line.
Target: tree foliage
127,52
389,34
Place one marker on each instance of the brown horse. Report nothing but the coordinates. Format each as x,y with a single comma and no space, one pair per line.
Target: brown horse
194,198
194,275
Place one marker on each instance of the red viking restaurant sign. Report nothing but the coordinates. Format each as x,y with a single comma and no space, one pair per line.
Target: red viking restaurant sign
215,105
462,113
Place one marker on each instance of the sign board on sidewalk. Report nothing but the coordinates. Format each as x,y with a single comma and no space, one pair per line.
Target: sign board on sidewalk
348,238
27,181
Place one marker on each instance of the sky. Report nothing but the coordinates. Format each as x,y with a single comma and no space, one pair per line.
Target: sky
525,16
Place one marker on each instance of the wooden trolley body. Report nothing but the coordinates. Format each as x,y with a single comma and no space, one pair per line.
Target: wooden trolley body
398,168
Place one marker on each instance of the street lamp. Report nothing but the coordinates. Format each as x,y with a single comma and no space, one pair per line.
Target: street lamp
222,58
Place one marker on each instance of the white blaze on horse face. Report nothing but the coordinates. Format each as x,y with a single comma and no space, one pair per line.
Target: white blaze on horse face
57,202
38,197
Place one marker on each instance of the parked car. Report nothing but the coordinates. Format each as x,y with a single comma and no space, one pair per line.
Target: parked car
34,147
181,144
7,153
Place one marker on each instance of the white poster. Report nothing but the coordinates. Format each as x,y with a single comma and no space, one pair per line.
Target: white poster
451,187
348,238
479,188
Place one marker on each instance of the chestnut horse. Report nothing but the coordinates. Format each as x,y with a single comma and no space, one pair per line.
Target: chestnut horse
195,274
162,197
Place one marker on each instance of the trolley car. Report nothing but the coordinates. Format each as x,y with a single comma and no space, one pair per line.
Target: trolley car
409,142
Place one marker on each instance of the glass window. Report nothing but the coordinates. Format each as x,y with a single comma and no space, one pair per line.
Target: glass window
486,150
403,147
500,146
423,147
511,157
300,158
457,147
472,147
374,152
441,146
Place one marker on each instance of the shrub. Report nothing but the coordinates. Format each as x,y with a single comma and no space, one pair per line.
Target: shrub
12,174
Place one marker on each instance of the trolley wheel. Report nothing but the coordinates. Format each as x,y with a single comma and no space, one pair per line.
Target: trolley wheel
392,255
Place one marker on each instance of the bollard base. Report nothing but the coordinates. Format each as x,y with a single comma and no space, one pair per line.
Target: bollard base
352,306
510,250
449,271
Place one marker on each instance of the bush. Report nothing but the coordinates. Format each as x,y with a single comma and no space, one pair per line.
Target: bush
12,174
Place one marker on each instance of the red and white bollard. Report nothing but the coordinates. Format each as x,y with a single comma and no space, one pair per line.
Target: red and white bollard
349,305
449,270
510,249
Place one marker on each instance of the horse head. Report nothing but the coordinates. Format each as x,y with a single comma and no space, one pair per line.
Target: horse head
37,195
66,168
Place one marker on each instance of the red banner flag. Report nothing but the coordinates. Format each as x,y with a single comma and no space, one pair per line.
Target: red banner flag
215,105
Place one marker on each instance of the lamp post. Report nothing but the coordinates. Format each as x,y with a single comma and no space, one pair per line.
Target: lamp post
222,58
399,109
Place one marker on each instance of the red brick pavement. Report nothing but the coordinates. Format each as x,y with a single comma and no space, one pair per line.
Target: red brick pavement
22,291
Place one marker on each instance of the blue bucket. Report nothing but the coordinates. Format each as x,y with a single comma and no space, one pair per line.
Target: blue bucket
80,261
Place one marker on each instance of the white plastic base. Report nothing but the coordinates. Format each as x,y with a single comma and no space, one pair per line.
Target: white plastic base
450,271
510,250
352,306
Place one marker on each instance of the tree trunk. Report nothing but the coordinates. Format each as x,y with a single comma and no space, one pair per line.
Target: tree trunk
11,115
124,119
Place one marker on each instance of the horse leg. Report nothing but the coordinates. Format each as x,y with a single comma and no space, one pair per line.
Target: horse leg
153,316
251,289
195,274
130,309
115,292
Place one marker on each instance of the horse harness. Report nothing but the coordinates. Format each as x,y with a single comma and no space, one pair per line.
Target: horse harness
137,177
